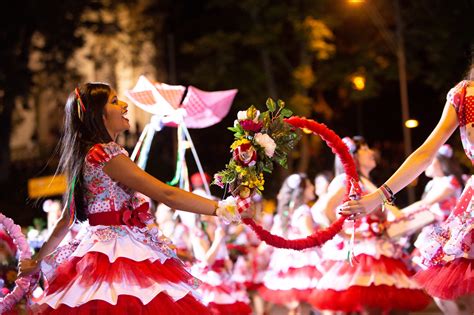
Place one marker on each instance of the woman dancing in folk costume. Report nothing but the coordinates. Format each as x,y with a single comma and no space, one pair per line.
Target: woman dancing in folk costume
448,256
219,292
251,265
122,265
378,281
444,189
441,192
292,275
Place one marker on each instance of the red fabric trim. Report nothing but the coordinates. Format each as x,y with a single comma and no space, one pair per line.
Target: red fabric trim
95,267
238,308
97,155
252,286
358,298
368,265
449,281
130,217
105,218
162,304
283,297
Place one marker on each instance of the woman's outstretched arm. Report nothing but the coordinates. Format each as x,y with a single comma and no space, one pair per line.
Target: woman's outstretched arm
413,166
120,168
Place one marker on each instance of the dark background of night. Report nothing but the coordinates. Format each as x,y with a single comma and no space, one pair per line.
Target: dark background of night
256,47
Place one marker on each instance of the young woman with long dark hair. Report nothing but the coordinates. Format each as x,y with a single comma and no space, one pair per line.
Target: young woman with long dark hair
123,264
292,275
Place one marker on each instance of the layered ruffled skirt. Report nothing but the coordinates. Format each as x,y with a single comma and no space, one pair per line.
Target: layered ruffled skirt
447,252
250,269
291,276
219,292
376,280
118,270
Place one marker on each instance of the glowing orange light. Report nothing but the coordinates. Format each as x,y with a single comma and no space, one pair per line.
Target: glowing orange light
358,81
411,123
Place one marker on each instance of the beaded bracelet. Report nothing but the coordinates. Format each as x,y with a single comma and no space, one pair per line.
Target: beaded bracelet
388,195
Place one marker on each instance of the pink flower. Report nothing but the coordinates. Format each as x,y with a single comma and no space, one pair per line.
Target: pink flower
267,143
245,155
250,125
218,180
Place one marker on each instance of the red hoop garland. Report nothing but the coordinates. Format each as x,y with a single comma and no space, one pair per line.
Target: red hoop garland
321,236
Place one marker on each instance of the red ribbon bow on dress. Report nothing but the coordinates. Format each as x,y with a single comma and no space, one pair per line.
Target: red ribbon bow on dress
136,217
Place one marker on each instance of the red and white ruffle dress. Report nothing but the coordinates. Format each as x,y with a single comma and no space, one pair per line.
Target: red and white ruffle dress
219,292
119,266
441,210
379,279
250,267
448,250
291,275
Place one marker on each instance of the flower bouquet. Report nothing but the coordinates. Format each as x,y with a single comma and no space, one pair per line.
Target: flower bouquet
260,140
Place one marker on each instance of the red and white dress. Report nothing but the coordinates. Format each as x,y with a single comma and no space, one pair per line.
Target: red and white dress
219,292
378,278
448,251
291,275
119,266
441,209
249,268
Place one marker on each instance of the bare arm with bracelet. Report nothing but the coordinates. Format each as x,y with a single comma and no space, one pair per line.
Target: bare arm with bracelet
413,166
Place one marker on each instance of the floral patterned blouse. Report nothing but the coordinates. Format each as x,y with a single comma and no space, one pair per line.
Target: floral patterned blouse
102,193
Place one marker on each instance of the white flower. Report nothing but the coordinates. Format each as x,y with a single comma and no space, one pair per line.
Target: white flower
227,210
266,142
242,115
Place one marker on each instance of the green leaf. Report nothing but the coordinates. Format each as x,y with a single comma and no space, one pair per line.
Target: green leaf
271,105
286,112
282,161
265,116
268,167
281,104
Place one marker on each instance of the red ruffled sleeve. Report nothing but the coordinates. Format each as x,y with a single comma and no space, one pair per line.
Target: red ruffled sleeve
456,94
101,153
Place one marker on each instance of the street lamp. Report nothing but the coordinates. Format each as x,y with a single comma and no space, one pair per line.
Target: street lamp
358,82
411,123
396,44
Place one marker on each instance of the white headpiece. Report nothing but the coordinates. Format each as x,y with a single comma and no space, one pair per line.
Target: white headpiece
446,150
350,144
294,181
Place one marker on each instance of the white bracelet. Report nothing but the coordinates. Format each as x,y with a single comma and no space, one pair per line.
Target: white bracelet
227,210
